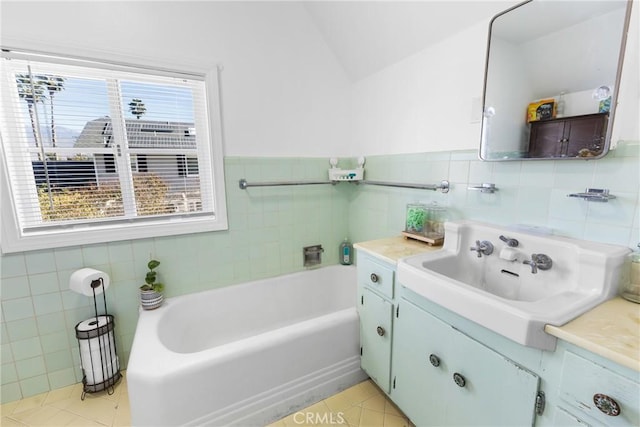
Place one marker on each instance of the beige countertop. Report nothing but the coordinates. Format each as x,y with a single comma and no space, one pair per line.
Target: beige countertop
611,330
392,249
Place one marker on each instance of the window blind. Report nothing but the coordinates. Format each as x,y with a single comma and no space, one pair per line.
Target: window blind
89,145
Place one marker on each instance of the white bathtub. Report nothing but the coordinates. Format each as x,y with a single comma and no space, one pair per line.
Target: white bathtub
247,354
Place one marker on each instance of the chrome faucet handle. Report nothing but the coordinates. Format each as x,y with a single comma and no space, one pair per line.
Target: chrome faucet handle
484,247
539,261
513,243
532,264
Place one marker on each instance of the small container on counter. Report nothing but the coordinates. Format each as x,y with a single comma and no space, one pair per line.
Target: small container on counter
416,217
631,289
425,223
436,217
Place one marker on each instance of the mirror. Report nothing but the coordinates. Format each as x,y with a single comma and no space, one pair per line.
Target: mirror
551,79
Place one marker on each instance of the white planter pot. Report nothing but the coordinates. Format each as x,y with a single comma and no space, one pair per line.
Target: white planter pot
150,300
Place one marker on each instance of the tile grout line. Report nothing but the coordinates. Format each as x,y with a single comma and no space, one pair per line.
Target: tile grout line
112,408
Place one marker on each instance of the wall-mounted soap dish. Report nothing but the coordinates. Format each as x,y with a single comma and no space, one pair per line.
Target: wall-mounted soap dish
594,195
312,255
485,187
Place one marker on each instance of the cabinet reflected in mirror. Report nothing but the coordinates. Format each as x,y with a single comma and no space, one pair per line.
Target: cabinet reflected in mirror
552,78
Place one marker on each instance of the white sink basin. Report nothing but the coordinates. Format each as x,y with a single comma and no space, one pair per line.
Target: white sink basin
504,295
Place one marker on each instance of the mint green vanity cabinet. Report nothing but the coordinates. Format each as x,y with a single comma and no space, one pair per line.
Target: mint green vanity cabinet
413,348
375,337
596,392
421,379
376,275
375,307
444,377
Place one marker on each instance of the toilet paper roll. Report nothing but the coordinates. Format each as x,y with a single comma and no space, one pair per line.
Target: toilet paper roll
97,369
81,281
98,354
92,324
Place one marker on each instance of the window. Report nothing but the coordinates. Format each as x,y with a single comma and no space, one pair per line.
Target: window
98,152
187,166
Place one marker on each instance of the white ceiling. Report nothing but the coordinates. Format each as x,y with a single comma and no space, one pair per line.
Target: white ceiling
367,36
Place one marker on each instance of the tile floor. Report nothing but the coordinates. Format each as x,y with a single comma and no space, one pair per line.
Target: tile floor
63,407
361,405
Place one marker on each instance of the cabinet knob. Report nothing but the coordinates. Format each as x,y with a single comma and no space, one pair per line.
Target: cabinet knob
380,331
459,380
374,278
606,404
435,360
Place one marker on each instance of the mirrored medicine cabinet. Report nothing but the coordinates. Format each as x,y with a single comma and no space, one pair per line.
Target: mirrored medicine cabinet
552,77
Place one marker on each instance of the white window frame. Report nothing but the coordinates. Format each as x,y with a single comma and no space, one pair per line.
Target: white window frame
14,239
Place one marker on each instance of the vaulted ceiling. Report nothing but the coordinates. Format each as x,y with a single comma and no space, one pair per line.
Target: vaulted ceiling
367,36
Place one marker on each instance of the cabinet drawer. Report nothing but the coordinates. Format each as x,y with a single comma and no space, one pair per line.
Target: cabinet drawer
376,276
582,380
566,419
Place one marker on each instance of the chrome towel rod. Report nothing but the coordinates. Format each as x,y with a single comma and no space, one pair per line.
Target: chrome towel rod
244,184
443,186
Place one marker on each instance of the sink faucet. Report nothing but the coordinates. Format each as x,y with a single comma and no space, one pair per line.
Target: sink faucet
484,247
538,261
512,243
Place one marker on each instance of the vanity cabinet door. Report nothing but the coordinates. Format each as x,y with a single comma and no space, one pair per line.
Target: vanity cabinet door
421,344
488,388
375,337
444,377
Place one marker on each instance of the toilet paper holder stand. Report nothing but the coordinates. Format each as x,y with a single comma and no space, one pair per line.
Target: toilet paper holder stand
97,347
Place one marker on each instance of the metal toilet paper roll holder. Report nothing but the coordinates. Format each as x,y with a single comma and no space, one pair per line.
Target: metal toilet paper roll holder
98,342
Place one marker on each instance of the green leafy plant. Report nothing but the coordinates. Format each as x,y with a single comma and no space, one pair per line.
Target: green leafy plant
415,219
150,278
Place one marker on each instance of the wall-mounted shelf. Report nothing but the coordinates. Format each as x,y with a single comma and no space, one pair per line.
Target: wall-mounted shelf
347,175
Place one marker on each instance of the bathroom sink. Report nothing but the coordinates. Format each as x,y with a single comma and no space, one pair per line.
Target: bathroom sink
499,285
513,281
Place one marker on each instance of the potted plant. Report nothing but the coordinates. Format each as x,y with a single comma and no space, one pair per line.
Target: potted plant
151,295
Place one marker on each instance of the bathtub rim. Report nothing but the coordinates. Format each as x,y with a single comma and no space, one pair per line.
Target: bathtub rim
152,355
241,285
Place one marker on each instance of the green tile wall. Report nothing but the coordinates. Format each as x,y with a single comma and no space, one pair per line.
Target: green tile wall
530,192
268,228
